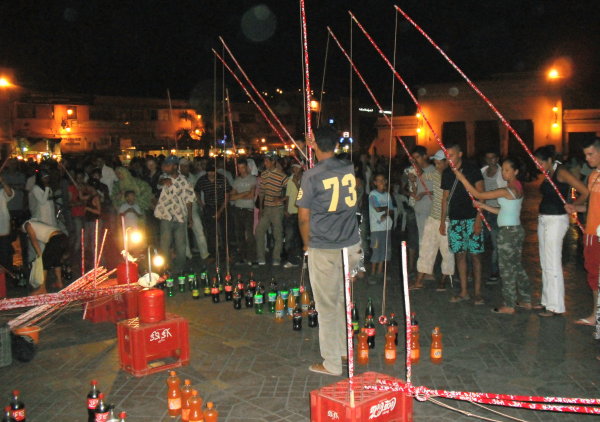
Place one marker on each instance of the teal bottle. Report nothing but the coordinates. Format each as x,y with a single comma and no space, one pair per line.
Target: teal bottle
181,283
272,298
258,304
169,283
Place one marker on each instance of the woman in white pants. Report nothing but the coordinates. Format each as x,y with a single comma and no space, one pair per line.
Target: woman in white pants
553,223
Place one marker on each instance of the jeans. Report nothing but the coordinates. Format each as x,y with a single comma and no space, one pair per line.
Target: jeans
270,216
198,232
212,230
244,232
551,232
292,236
172,232
493,236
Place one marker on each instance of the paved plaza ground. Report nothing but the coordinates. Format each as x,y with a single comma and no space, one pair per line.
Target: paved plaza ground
257,370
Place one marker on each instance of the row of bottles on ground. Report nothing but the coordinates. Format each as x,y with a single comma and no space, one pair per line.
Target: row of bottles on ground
187,403
99,410
366,341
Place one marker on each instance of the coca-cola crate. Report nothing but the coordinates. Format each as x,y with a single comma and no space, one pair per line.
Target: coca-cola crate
332,402
100,310
112,308
152,347
125,305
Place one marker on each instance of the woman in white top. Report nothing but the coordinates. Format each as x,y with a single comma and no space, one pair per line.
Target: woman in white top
41,200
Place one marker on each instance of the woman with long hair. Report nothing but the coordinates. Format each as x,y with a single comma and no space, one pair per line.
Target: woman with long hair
553,222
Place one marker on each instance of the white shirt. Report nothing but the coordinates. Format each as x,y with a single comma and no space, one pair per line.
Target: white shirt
380,199
173,200
41,205
4,214
42,230
131,218
109,177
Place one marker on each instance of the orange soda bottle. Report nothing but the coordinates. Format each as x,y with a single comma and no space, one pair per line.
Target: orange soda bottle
279,308
363,348
210,414
174,394
186,393
415,347
291,305
196,414
389,355
436,346
305,301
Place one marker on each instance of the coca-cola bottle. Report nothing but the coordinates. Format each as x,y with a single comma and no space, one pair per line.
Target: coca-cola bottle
370,309
214,291
370,331
240,284
92,401
228,288
252,283
122,416
355,320
297,318
237,298
393,324
250,298
102,409
17,407
313,315
7,415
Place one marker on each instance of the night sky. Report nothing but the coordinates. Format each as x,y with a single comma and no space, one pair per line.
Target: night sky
144,47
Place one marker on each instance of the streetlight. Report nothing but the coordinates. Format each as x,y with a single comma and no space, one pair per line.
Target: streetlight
4,83
553,74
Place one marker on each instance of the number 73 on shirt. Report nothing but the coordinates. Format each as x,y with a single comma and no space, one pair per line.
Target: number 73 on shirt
333,183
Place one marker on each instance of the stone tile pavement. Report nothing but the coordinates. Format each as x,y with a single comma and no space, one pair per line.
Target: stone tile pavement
257,370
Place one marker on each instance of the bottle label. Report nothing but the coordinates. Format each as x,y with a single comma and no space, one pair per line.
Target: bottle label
18,415
305,307
415,353
169,282
174,404
272,297
355,326
279,313
195,292
185,414
370,331
102,417
207,290
258,299
436,353
241,286
290,311
363,353
92,403
390,354
214,290
228,288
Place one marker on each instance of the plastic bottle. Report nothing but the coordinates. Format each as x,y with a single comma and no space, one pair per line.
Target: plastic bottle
285,293
174,395
17,407
186,393
122,416
181,283
296,293
190,280
279,309
228,288
6,415
370,309
415,346
305,301
363,348
272,299
169,284
392,323
435,353
291,305
355,320
196,414
274,286
92,401
219,281
252,283
211,414
297,318
389,353
112,417
240,284
313,315
102,409
194,287
370,331
249,299
259,303
205,284
214,291
237,298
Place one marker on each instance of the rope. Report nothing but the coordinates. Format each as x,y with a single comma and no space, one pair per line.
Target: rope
498,413
215,164
307,90
323,82
464,412
351,87
302,65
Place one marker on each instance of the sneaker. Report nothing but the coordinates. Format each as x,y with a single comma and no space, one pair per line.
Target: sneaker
238,263
276,263
261,263
289,265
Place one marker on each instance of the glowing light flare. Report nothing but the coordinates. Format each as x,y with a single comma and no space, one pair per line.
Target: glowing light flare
68,129
314,105
418,115
4,83
158,261
418,130
263,148
135,237
553,74
555,109
69,112
555,125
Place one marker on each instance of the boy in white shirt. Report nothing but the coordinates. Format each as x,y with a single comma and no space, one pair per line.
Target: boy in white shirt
381,214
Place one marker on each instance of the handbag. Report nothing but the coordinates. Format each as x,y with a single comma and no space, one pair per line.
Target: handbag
36,276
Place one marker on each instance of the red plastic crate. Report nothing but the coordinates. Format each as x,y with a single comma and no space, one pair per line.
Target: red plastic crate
332,403
126,305
112,308
153,347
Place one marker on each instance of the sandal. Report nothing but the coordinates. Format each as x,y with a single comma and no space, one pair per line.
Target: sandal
320,369
478,301
538,307
504,310
585,321
457,299
527,306
549,314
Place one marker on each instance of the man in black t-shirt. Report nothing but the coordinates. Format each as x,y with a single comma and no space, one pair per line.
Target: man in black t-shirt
464,231
327,202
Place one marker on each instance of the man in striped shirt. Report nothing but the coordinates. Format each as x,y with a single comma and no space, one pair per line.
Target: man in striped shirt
272,187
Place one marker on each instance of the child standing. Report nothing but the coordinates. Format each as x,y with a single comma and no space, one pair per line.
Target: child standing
381,213
130,210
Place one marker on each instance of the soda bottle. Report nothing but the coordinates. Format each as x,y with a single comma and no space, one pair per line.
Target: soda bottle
237,298
355,320
219,281
305,301
272,299
122,416
194,287
214,291
169,284
181,283
370,331
252,283
260,289
296,293
111,414
240,284
370,309
17,407
435,352
174,395
92,401
313,315
195,408
258,303
285,293
250,298
102,409
291,305
393,324
279,308
297,318
363,348
389,354
190,279
211,414
7,415
204,283
228,288
186,393
415,347
274,286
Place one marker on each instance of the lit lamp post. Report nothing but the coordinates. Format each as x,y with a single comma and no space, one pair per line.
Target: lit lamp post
135,237
5,85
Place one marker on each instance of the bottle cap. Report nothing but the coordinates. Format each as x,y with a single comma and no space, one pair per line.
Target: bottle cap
101,396
172,373
187,382
7,408
194,393
210,405
94,382
16,392
122,415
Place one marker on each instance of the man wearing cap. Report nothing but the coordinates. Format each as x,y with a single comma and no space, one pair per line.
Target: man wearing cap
174,212
271,200
433,241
